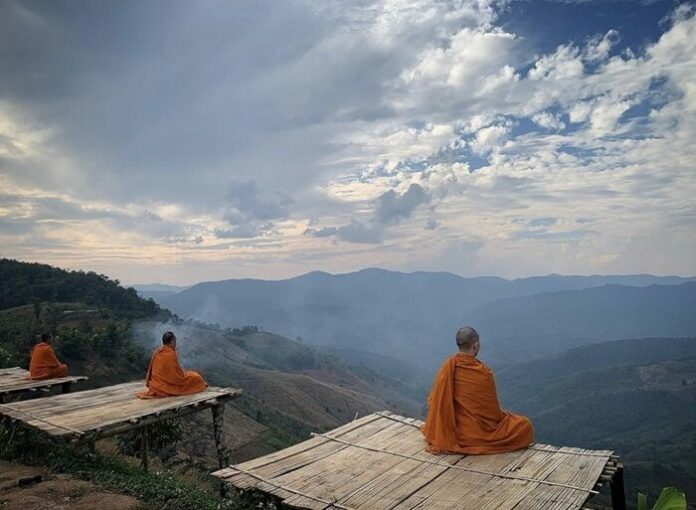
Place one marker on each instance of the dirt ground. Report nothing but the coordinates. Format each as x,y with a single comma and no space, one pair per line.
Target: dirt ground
35,488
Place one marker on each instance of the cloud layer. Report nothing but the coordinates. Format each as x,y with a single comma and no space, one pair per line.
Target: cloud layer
267,139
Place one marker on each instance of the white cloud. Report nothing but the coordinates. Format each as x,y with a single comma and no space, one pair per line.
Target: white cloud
490,138
548,120
354,108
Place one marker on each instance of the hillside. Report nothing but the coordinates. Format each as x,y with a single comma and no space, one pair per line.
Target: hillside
33,487
25,283
517,329
637,397
407,316
290,388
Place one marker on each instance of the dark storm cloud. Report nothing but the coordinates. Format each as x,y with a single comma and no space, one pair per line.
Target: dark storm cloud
152,96
392,207
250,200
353,232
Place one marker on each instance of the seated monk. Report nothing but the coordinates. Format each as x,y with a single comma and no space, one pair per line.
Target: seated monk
44,364
464,415
165,378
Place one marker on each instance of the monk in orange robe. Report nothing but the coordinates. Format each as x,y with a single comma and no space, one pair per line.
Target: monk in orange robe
165,378
464,415
44,364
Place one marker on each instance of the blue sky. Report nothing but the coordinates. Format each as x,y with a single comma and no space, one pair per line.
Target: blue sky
208,140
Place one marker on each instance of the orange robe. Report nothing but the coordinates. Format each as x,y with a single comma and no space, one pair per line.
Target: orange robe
464,415
44,364
165,378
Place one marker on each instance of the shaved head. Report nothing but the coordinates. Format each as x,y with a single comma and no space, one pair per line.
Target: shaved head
168,337
467,337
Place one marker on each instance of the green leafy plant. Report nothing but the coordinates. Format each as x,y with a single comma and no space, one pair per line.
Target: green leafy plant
162,437
670,499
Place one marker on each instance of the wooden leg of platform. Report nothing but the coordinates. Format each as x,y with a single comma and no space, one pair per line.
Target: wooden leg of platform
144,454
92,451
218,430
4,420
618,493
219,434
66,387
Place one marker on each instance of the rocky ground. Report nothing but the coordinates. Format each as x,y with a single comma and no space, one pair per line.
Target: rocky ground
36,488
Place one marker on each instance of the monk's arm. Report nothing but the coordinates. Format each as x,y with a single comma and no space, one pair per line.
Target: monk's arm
51,357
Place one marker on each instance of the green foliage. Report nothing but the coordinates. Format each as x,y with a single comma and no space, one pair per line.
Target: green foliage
670,499
25,283
155,490
162,440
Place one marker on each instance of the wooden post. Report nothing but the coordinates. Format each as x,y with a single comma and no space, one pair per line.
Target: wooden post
218,431
144,454
618,493
219,434
66,387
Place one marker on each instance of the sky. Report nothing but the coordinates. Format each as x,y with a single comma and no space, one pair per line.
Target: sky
184,141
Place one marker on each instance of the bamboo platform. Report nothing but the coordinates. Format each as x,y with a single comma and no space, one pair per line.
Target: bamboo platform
88,416
378,462
16,380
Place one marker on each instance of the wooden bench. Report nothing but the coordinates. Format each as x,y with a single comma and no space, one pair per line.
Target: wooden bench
88,416
379,462
15,381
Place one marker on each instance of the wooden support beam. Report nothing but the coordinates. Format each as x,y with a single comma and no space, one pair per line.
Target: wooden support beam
218,431
618,492
218,411
144,453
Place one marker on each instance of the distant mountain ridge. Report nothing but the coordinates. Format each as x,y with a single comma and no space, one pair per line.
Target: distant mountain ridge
551,322
410,316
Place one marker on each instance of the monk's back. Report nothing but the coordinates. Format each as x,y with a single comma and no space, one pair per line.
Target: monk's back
44,364
475,393
164,360
166,378
464,415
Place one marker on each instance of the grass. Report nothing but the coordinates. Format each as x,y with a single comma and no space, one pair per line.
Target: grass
112,472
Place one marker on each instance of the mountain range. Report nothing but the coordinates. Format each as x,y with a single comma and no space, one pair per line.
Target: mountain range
561,347
411,318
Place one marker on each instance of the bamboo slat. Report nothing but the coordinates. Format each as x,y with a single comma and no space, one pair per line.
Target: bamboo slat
379,463
97,412
16,380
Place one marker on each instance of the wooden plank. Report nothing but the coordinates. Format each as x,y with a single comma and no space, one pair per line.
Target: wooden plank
102,408
504,494
405,477
576,470
91,400
453,485
348,476
297,449
347,469
293,471
16,380
300,462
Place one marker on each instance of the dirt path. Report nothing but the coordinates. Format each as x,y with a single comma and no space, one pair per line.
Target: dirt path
35,488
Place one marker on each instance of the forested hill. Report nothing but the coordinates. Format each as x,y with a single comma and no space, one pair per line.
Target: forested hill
26,283
635,396
90,313
107,333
